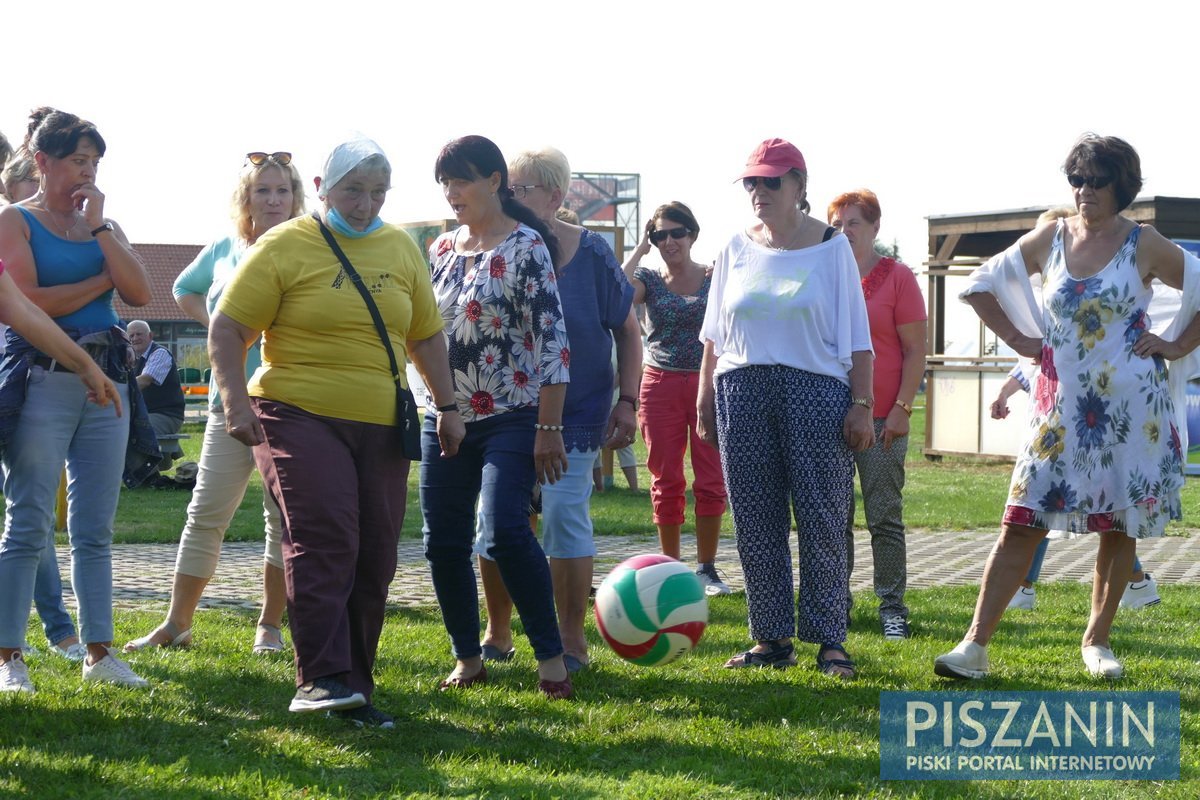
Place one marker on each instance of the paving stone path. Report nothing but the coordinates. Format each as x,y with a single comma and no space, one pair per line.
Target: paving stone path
142,573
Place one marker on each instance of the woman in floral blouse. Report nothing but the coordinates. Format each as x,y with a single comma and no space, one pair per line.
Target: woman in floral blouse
495,283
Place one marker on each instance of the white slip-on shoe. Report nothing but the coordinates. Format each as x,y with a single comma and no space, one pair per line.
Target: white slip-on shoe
1101,662
1023,599
967,660
1141,595
14,675
111,669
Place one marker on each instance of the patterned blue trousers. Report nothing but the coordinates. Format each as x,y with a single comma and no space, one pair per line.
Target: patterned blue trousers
780,434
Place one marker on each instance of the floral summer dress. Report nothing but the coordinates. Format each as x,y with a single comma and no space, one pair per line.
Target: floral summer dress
1104,453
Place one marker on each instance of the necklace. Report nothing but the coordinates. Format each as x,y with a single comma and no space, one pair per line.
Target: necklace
54,217
779,248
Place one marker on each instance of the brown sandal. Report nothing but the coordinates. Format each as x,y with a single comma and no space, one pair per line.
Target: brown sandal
557,690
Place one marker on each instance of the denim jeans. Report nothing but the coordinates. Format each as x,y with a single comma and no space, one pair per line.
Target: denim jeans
47,596
494,465
1039,555
58,424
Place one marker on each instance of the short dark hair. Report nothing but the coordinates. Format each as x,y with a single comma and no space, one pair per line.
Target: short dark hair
470,158
57,133
676,212
1116,157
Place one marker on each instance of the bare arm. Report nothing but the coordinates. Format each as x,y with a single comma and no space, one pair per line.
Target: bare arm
622,422
549,452
912,369
195,306
429,357
228,341
33,324
989,310
706,396
858,427
124,267
632,263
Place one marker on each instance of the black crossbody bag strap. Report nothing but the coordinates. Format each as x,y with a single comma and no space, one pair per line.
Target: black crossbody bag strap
406,409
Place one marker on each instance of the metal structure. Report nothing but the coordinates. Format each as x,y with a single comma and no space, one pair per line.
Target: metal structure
608,198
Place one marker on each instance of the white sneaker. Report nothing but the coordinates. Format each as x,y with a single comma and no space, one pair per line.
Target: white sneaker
1140,595
111,669
14,675
710,579
967,660
1023,599
72,652
1101,662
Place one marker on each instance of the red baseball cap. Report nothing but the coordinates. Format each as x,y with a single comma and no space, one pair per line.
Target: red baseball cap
773,158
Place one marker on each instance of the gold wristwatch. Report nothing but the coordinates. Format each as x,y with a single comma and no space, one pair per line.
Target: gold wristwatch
866,402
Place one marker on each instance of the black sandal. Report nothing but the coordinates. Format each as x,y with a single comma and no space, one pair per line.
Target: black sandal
779,656
830,666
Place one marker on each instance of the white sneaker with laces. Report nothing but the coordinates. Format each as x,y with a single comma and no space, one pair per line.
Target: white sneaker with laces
1140,595
111,669
72,652
1023,599
14,675
710,579
967,660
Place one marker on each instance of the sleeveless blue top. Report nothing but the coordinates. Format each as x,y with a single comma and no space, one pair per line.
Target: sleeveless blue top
60,261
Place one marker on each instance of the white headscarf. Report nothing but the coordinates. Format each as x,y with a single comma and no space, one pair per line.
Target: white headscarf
345,157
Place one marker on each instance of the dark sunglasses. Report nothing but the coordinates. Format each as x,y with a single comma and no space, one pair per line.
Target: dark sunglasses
1094,181
258,159
771,183
658,237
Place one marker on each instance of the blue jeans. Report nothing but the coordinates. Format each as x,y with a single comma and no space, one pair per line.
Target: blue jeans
48,598
1039,555
494,465
58,424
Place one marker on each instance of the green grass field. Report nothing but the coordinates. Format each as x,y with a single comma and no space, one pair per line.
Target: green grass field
215,724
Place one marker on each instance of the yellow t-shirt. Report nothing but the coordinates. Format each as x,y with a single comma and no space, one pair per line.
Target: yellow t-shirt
320,350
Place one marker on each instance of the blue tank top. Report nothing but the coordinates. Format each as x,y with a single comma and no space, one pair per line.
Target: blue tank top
60,261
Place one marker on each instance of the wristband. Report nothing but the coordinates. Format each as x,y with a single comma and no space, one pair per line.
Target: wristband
446,408
542,427
906,406
625,398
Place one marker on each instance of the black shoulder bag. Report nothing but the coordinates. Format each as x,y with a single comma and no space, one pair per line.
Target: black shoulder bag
406,404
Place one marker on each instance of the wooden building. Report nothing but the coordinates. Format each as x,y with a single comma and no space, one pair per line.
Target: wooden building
967,364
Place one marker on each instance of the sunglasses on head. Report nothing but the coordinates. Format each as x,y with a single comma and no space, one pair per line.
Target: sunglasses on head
1094,181
658,237
771,183
258,159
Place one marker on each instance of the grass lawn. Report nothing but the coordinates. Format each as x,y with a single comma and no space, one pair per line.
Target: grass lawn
952,494
215,723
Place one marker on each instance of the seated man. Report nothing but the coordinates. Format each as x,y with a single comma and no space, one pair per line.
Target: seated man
159,383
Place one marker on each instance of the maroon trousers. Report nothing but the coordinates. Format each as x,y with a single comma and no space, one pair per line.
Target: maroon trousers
341,487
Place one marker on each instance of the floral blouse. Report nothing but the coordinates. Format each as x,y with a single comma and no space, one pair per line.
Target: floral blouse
504,323
673,322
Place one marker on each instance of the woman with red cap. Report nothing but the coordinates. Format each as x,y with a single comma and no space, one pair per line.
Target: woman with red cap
785,393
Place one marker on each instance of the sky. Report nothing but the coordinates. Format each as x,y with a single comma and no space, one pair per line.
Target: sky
939,107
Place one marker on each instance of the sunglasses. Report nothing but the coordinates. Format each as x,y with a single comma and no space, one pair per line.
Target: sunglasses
521,191
1094,181
771,183
258,159
658,237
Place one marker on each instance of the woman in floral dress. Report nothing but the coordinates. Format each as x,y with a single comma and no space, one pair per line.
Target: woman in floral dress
1104,453
496,287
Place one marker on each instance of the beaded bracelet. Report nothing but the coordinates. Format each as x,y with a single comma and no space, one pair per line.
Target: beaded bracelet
542,427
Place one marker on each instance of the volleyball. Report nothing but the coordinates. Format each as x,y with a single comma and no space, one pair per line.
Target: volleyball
651,610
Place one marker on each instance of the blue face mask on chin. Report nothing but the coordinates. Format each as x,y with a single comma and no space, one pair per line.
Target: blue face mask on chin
339,224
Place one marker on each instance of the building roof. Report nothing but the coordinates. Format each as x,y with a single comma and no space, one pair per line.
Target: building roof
163,262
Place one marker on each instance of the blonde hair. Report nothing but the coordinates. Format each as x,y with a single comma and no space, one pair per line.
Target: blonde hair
567,215
1052,214
20,167
549,167
240,206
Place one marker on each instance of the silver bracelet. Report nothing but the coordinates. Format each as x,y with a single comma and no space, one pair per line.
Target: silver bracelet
542,427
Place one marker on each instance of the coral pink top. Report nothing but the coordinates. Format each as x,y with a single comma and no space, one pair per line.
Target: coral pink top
893,299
